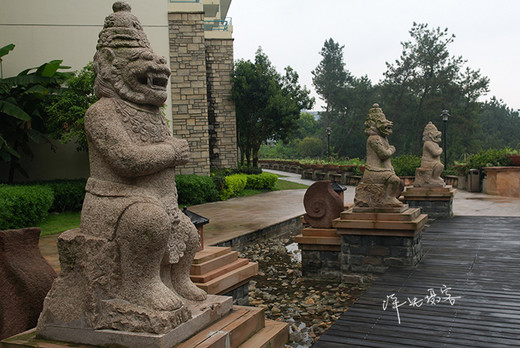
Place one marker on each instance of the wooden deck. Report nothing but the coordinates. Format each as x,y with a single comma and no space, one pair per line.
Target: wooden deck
478,259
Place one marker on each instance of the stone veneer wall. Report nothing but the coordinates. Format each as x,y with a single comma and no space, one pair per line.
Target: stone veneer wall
221,110
189,90
434,209
362,254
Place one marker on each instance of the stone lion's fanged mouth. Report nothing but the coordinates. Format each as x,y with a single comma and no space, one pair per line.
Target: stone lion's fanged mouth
153,81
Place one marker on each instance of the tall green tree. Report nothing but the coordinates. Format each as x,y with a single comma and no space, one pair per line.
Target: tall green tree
268,104
330,78
22,110
427,79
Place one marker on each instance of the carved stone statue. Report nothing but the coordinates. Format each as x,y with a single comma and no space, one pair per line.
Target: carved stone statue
429,174
379,185
127,267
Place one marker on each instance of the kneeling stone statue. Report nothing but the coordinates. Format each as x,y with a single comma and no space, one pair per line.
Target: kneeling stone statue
127,266
379,185
429,174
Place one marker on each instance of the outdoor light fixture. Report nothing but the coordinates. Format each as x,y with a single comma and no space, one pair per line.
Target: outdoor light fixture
329,130
445,115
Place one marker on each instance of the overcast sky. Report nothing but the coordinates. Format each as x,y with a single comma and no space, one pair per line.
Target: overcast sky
292,32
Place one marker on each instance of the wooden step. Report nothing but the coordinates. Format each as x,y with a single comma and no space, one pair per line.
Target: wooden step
410,225
230,331
219,271
318,240
321,232
407,215
214,263
275,334
209,253
226,281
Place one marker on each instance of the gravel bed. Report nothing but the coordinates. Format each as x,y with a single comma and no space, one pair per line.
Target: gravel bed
309,306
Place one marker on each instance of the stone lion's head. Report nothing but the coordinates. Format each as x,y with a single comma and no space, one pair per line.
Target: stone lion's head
376,122
431,133
125,65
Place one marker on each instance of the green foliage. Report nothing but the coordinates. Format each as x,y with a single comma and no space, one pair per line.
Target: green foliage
193,189
57,223
234,184
268,105
68,194
67,111
405,165
264,181
309,147
22,109
24,206
489,158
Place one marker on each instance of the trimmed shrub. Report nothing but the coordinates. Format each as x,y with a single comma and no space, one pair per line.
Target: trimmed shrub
194,189
264,181
68,195
24,205
234,184
405,165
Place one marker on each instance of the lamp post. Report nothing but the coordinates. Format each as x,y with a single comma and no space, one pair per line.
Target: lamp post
444,115
329,130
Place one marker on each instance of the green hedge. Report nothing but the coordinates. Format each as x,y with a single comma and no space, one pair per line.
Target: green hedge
24,205
194,189
68,194
264,181
405,165
234,184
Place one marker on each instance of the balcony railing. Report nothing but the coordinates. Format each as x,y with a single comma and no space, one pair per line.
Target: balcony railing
220,25
186,1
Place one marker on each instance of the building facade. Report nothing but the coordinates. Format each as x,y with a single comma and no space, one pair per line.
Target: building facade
201,60
191,34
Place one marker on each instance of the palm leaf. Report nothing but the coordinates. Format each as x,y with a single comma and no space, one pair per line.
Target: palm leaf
13,110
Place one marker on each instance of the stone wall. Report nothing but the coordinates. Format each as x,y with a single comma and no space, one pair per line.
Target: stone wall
434,209
321,264
189,89
221,110
363,254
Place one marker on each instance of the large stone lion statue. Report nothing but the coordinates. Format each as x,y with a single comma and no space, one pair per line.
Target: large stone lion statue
379,185
127,267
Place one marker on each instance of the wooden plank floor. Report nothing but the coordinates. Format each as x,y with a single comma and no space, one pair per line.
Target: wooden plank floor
478,258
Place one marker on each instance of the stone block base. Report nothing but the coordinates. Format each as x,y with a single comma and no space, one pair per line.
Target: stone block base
203,314
373,241
320,249
437,202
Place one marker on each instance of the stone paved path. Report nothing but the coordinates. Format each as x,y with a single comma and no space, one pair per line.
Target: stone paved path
239,216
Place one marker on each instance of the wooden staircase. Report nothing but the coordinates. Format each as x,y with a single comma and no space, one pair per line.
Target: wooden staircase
244,327
218,270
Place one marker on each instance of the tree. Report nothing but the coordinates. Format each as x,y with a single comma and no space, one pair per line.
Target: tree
22,110
268,104
427,79
67,110
330,77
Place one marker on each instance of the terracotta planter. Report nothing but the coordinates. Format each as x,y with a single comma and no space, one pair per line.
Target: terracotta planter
331,167
515,159
362,168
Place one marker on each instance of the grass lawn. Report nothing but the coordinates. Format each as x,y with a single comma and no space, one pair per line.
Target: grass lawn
57,223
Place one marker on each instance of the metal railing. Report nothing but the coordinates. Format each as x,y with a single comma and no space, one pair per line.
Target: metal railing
217,24
186,1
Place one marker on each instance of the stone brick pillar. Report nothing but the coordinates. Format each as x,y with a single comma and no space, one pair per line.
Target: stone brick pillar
188,79
221,110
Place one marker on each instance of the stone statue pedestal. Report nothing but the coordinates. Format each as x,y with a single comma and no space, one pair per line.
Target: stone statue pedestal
436,201
373,239
235,326
203,314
